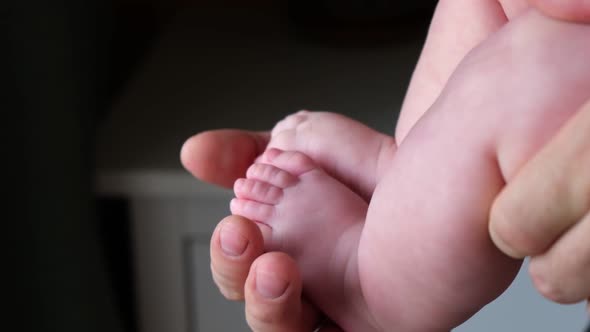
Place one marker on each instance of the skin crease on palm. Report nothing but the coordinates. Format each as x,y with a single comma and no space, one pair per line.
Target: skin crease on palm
201,154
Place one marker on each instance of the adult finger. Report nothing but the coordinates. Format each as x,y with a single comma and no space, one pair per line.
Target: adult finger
571,10
549,194
222,156
562,274
235,244
273,296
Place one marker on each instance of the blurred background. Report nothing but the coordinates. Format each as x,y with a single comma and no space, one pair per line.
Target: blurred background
110,233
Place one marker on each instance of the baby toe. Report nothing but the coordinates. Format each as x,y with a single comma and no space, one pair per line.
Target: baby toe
271,175
256,190
252,210
293,162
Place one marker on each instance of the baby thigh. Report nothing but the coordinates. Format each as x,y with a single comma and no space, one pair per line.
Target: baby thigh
425,253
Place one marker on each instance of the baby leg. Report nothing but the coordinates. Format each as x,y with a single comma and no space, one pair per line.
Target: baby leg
347,149
426,262
315,219
425,253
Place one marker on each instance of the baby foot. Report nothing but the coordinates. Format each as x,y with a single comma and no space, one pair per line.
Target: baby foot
355,159
315,219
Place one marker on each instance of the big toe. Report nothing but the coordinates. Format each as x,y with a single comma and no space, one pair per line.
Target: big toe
222,156
294,162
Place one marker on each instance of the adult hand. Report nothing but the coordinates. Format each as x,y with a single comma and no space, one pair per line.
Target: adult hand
544,212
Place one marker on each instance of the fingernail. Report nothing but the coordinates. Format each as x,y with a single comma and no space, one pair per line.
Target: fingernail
270,285
232,242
